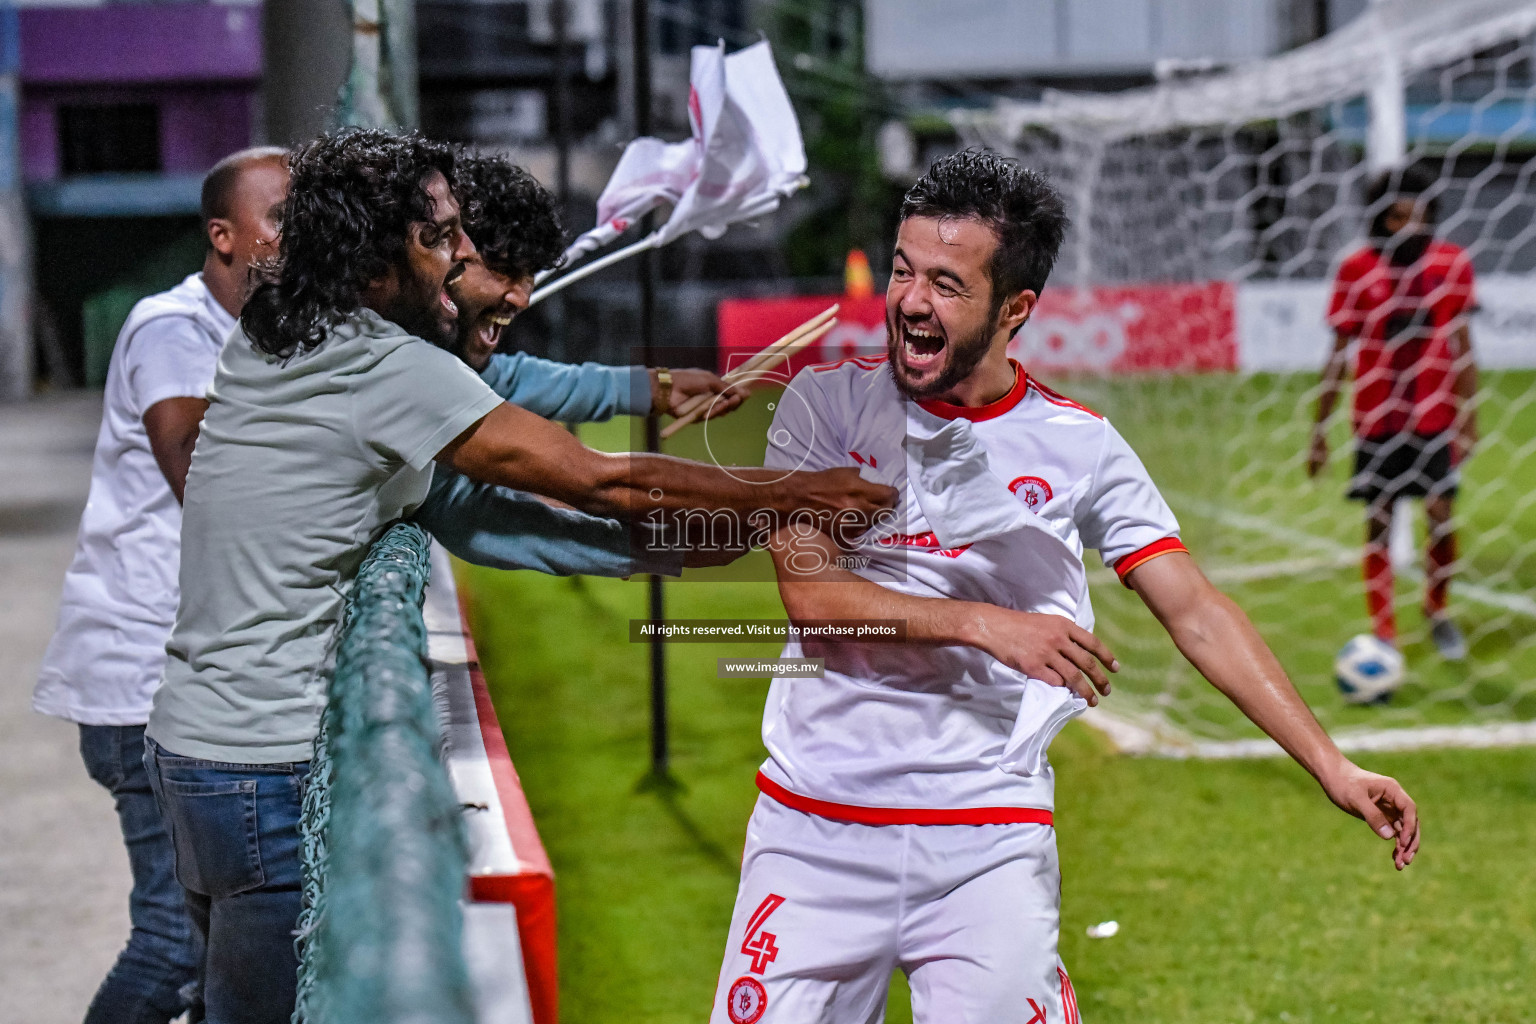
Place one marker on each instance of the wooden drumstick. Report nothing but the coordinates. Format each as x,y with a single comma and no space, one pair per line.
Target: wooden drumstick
793,336
700,404
752,364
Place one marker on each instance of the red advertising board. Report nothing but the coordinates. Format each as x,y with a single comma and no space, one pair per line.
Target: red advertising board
748,325
1128,329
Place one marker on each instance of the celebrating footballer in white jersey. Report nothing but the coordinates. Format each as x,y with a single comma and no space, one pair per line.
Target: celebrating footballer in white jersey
906,815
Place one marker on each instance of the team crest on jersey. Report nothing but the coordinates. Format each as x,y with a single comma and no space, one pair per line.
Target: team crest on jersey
1032,491
747,1001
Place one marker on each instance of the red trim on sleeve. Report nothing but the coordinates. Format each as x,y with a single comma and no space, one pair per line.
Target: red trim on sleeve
1057,398
990,411
1166,546
904,815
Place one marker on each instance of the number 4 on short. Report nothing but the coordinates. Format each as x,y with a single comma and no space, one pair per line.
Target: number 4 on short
758,944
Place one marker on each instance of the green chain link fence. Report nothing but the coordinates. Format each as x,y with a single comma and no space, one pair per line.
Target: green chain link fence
380,937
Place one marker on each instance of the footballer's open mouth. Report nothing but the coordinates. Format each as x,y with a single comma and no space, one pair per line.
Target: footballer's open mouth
488,329
444,299
921,345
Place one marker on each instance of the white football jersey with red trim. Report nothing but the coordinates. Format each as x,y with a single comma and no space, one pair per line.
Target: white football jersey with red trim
894,729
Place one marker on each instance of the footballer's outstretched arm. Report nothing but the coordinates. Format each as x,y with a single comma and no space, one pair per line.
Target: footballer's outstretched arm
1219,640
1051,648
1327,398
514,448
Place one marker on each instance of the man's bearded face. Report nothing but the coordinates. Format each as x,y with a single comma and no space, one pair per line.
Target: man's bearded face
940,318
488,299
1402,232
435,255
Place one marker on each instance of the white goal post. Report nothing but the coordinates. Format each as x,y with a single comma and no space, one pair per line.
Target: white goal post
1209,215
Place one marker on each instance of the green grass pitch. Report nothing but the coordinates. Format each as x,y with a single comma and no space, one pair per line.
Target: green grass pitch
1227,453
1242,895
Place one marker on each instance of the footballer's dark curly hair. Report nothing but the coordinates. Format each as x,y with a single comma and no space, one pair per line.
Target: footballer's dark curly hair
512,219
1018,203
352,196
1386,188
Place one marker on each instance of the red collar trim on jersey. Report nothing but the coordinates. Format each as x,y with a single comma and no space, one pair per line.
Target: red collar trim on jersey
990,411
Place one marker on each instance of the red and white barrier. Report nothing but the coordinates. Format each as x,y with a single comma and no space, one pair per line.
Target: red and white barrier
510,908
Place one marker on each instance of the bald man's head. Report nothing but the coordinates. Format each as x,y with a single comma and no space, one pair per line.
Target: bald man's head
242,217
222,182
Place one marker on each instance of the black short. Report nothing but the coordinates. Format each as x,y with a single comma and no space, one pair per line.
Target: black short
1404,466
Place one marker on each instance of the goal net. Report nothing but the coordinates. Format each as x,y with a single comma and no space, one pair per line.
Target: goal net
1210,214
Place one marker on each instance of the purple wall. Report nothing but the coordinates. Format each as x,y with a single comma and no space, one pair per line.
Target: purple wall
198,124
140,43
39,142
200,63
197,129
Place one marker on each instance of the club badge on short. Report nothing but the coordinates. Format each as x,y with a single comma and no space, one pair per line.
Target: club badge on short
747,1001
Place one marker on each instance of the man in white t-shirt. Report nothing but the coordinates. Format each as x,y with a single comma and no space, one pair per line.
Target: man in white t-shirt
119,599
906,815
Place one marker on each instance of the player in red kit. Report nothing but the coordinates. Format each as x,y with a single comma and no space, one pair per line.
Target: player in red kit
1404,301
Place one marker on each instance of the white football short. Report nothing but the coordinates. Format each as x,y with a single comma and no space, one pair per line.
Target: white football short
828,910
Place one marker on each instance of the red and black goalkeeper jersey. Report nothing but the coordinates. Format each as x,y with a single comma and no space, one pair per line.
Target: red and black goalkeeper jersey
1405,370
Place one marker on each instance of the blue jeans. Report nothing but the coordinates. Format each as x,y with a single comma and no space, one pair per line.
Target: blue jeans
235,829
153,980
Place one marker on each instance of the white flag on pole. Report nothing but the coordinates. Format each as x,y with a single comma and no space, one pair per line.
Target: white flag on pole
650,173
744,157
751,154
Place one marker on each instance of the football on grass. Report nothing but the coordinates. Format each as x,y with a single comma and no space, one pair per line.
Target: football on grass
1368,670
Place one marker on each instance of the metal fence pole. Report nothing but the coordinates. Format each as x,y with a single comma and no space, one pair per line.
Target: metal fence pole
649,270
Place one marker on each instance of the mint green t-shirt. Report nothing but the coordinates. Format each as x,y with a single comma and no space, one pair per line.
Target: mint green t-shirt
300,465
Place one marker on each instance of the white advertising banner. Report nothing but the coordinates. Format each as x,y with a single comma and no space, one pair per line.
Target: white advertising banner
1281,326
1504,326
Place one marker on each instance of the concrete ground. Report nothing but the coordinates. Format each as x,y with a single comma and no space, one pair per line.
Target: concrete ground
63,872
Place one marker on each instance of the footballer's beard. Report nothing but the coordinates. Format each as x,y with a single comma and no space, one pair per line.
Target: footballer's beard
1405,249
961,357
424,325
1402,248
433,319
477,335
